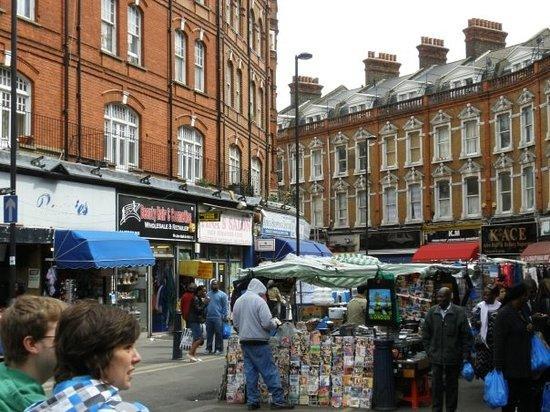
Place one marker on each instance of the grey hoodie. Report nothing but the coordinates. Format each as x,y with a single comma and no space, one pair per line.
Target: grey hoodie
251,315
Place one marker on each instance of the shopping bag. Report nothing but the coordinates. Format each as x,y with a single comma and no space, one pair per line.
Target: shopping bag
468,371
496,390
540,354
186,339
226,330
546,398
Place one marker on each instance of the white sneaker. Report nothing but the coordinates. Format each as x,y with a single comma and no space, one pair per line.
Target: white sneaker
191,358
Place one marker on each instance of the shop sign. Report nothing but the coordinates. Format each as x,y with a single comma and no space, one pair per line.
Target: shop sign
58,204
281,225
156,219
450,235
196,268
544,226
265,245
232,229
507,239
403,239
211,216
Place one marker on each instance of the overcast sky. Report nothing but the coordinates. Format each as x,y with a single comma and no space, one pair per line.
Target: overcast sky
339,33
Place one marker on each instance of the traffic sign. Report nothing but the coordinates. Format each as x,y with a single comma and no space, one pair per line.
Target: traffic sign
10,209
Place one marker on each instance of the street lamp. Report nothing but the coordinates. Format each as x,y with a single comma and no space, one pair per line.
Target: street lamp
301,56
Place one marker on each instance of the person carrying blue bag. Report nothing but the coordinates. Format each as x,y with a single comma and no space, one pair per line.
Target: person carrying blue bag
512,351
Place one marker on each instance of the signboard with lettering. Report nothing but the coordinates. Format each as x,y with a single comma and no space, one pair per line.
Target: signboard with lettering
507,239
232,229
156,219
210,216
282,225
265,245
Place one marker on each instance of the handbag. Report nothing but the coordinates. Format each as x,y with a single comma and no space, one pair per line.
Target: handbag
186,339
468,371
540,354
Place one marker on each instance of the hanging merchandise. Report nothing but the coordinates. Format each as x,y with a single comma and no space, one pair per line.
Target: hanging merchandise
51,279
414,295
381,302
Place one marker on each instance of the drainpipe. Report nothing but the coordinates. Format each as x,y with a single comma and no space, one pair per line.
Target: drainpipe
79,77
250,108
219,82
170,92
66,59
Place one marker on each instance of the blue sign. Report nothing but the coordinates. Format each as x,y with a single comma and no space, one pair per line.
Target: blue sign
10,209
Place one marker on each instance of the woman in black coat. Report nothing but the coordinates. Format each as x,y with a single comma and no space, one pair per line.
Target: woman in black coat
512,350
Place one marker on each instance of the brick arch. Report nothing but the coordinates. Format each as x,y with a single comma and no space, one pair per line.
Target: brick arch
176,25
187,120
117,96
24,67
234,140
141,2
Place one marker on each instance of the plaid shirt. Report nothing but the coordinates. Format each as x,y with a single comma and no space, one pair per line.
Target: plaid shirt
84,394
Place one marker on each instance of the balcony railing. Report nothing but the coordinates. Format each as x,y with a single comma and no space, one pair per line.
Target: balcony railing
400,107
512,78
452,94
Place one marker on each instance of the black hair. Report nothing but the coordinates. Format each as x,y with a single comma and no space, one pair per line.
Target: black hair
515,293
362,289
199,288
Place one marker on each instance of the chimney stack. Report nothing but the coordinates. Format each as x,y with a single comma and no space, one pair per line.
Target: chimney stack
308,88
383,66
483,35
431,51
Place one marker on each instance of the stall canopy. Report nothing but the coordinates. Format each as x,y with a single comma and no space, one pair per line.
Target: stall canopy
286,245
83,249
446,251
538,252
329,272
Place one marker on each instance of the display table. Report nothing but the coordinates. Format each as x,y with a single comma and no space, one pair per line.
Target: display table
415,373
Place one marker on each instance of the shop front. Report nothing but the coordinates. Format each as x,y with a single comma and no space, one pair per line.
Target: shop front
507,240
448,243
392,245
170,227
225,237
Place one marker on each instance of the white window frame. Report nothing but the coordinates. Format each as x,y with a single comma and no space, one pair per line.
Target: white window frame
135,30
341,219
239,90
465,138
410,218
361,210
24,100
385,216
109,26
280,170
314,165
229,92
524,141
408,139
199,65
234,165
358,157
339,161
317,219
385,147
121,136
292,166
256,176
260,107
525,207
499,209
467,197
252,102
190,154
438,143
237,20
25,8
438,216
180,57
498,133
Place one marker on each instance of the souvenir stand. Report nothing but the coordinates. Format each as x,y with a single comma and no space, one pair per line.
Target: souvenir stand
320,366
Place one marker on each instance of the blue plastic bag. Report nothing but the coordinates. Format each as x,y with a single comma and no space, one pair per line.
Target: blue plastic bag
227,330
540,354
496,390
468,371
546,398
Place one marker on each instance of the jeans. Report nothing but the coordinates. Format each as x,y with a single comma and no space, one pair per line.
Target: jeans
445,381
258,360
521,393
214,326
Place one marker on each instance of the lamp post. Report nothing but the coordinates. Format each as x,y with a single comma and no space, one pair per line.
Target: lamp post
301,56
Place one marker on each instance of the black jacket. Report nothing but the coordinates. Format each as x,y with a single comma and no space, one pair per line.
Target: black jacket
447,340
197,311
512,343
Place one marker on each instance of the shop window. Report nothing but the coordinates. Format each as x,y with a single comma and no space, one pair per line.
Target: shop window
190,153
121,136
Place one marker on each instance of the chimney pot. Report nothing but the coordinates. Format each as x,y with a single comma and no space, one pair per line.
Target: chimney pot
431,51
308,88
483,35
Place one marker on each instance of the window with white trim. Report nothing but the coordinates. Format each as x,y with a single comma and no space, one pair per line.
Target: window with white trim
199,66
341,209
280,170
228,12
316,164
317,211
471,198
108,25
252,101
503,132
442,142
341,159
239,91
134,34
121,135
180,50
407,96
443,199
470,138
237,16
361,157
527,135
229,92
528,188
292,166
190,153
25,8
390,205
361,207
414,147
260,108
389,150
23,117
234,165
256,176
504,192
414,204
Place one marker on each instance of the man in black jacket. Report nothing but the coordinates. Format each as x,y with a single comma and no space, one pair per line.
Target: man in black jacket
447,340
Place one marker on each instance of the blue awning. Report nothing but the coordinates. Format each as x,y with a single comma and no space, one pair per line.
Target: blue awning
87,249
286,245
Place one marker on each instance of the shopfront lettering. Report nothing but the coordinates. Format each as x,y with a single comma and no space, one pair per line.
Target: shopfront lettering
507,239
515,234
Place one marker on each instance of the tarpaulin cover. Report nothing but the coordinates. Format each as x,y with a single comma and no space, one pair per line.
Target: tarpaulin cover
86,249
286,245
446,251
538,252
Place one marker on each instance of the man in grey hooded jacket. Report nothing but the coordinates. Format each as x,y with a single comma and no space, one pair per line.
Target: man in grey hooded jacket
253,321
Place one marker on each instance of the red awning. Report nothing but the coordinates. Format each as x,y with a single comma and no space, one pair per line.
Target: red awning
448,251
537,252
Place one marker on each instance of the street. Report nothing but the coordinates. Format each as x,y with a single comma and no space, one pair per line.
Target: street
166,385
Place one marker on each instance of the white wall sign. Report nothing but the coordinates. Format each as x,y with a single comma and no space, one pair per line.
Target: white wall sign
48,203
544,226
232,229
265,245
281,225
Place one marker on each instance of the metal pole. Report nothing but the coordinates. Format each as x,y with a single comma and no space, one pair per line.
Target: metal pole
367,198
13,141
296,157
